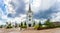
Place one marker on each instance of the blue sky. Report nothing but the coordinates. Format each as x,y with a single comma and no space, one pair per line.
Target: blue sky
15,10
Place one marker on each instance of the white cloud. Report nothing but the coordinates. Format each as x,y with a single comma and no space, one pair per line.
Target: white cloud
21,18
1,23
2,16
17,19
55,17
36,5
46,4
9,6
58,0
1,12
26,1
40,20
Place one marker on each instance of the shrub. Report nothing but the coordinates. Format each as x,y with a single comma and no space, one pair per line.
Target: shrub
33,24
1,26
49,24
9,26
38,26
23,25
19,25
16,25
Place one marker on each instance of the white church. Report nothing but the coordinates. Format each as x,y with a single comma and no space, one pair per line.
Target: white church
29,18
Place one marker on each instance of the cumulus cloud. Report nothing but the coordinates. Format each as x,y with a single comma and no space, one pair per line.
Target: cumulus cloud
55,17
14,10
2,23
17,19
2,17
9,6
46,4
14,7
36,5
41,5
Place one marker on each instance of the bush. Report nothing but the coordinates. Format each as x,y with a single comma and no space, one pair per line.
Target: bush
19,25
16,25
23,25
1,26
33,24
49,24
9,26
38,26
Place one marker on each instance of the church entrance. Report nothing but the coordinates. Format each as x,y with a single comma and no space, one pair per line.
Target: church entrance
29,25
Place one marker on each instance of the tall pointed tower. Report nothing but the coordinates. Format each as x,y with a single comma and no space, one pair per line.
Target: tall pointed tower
29,17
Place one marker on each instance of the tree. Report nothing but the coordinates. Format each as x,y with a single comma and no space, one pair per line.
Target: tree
21,24
1,26
9,26
16,25
49,24
38,26
33,23
25,23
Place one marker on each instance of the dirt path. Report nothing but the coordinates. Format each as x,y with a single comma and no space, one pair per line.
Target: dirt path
17,30
56,30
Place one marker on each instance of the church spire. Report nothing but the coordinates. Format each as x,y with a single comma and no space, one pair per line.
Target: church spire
29,8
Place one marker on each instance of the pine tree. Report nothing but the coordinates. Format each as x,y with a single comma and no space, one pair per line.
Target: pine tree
49,24
40,24
25,25
16,25
9,26
34,24
21,25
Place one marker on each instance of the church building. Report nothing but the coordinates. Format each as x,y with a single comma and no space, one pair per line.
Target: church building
29,18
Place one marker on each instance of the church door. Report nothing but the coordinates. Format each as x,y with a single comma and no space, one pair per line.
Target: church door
29,25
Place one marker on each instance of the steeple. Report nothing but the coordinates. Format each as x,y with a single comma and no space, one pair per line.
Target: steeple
29,8
29,17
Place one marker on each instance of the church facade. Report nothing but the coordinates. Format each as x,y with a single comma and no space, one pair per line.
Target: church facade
29,18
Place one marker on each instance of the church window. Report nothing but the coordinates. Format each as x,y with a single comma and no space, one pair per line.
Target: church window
29,15
29,19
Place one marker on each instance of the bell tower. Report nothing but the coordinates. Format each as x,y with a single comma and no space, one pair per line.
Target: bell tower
29,17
